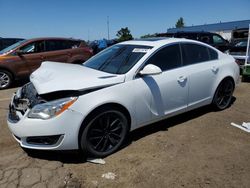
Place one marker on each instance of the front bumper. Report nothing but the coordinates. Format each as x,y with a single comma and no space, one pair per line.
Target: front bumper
63,128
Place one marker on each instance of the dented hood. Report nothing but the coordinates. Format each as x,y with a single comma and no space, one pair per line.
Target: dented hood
53,76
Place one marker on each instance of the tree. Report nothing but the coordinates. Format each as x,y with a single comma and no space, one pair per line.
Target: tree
124,34
180,23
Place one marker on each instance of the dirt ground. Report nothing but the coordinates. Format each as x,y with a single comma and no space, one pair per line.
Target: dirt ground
196,149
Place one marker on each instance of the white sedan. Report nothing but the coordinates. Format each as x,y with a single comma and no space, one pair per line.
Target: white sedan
93,106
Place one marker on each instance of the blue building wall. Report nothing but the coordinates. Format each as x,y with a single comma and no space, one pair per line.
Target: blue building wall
217,27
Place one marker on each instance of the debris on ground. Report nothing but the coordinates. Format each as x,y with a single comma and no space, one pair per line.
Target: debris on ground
245,126
109,175
96,161
95,183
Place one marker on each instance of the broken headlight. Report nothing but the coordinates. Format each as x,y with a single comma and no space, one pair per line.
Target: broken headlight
51,109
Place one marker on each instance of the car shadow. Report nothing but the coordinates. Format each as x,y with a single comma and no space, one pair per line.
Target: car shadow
165,124
70,157
74,157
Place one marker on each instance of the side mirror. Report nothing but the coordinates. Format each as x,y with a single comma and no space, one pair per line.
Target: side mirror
150,69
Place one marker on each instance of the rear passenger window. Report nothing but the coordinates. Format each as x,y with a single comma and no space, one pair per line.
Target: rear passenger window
53,45
213,54
73,44
194,53
167,58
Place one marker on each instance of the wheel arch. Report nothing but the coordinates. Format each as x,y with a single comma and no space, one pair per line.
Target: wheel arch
222,80
96,110
227,78
9,71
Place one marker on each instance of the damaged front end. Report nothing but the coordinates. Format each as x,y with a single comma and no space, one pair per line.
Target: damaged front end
27,100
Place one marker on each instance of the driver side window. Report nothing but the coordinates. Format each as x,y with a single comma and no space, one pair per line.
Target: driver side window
167,58
34,47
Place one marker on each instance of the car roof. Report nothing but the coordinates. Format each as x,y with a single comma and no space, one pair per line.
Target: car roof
52,38
158,41
1,38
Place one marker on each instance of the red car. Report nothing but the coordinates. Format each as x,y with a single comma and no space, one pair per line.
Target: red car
22,58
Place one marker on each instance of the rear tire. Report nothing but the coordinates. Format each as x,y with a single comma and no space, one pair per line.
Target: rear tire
223,95
104,133
5,79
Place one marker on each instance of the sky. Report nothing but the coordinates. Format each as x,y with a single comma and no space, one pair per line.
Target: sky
88,19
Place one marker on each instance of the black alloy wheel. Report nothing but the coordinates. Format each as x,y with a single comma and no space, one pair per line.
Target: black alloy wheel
105,133
223,95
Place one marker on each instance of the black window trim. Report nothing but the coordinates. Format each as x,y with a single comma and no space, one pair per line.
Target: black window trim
136,75
185,42
166,45
210,54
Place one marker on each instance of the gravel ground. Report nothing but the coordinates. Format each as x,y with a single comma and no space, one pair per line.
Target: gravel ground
196,149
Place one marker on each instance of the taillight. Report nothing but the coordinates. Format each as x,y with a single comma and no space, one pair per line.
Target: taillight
237,62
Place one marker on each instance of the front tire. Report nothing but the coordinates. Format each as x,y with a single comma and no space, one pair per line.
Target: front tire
104,133
5,79
223,95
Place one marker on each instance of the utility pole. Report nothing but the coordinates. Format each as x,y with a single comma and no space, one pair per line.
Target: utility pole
108,26
88,35
248,48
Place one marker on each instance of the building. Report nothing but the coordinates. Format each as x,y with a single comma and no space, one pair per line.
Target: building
222,28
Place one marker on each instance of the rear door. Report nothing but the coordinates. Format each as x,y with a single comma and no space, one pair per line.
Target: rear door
202,68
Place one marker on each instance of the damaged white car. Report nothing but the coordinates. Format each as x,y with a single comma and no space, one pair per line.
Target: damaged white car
93,106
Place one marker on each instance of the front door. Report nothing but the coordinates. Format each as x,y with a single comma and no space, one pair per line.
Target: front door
31,56
169,90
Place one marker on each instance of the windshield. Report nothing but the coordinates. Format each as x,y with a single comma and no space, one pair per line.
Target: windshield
117,59
12,47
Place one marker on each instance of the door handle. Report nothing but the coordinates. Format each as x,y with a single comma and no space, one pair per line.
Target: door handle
215,69
182,79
